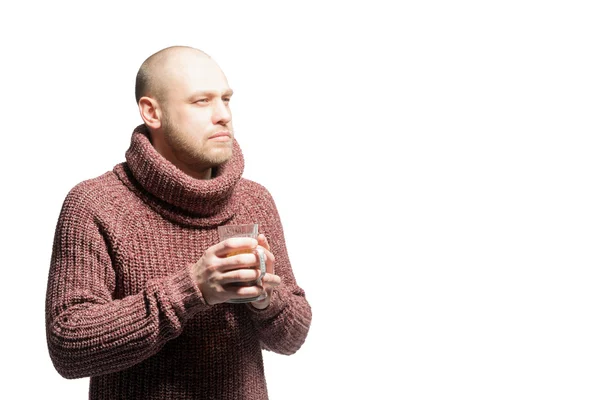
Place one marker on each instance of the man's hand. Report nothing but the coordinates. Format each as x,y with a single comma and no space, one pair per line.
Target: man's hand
217,274
270,280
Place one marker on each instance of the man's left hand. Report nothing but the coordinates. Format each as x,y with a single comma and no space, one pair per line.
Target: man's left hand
269,280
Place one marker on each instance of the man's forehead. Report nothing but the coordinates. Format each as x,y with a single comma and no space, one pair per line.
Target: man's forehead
195,75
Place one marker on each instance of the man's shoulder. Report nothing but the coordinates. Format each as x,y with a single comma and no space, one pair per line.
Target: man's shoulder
250,185
96,191
254,192
252,188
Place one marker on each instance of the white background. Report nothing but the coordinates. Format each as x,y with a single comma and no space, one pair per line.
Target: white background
435,165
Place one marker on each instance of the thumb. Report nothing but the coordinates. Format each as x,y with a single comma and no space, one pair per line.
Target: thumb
262,241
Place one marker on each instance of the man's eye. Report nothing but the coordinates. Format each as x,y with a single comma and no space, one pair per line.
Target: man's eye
202,101
226,99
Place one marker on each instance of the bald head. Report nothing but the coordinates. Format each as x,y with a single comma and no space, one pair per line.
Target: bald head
183,98
155,73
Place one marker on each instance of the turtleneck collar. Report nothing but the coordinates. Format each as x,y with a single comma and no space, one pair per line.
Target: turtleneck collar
171,192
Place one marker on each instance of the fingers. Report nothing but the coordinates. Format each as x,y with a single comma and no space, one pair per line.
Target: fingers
270,261
245,260
248,290
240,275
244,283
245,292
233,245
243,267
238,261
271,281
230,270
249,277
262,241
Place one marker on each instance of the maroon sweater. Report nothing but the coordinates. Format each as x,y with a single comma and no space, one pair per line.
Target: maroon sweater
122,306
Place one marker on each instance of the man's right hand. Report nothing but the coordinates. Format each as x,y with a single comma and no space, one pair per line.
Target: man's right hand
215,271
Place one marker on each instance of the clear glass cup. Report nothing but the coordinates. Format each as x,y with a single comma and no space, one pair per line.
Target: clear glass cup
247,230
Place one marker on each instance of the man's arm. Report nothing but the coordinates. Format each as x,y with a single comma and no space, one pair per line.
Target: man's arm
90,333
284,324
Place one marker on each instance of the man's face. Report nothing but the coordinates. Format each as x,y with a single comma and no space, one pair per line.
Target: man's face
196,120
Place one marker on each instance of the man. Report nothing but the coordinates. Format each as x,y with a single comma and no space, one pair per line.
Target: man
140,289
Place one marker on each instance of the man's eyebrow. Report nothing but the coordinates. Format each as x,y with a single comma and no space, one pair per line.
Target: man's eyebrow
228,92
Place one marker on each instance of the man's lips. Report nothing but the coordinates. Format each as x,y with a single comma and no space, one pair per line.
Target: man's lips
223,135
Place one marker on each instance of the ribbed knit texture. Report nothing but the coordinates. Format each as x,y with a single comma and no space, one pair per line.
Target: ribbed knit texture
122,306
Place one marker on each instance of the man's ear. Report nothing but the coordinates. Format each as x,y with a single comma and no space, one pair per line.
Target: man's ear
150,112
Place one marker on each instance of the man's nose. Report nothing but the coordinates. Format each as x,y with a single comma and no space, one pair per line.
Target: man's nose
221,113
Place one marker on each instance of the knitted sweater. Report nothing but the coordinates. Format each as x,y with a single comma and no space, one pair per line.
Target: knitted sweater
122,306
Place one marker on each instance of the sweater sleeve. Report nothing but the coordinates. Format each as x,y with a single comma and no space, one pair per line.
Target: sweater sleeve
284,324
89,332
